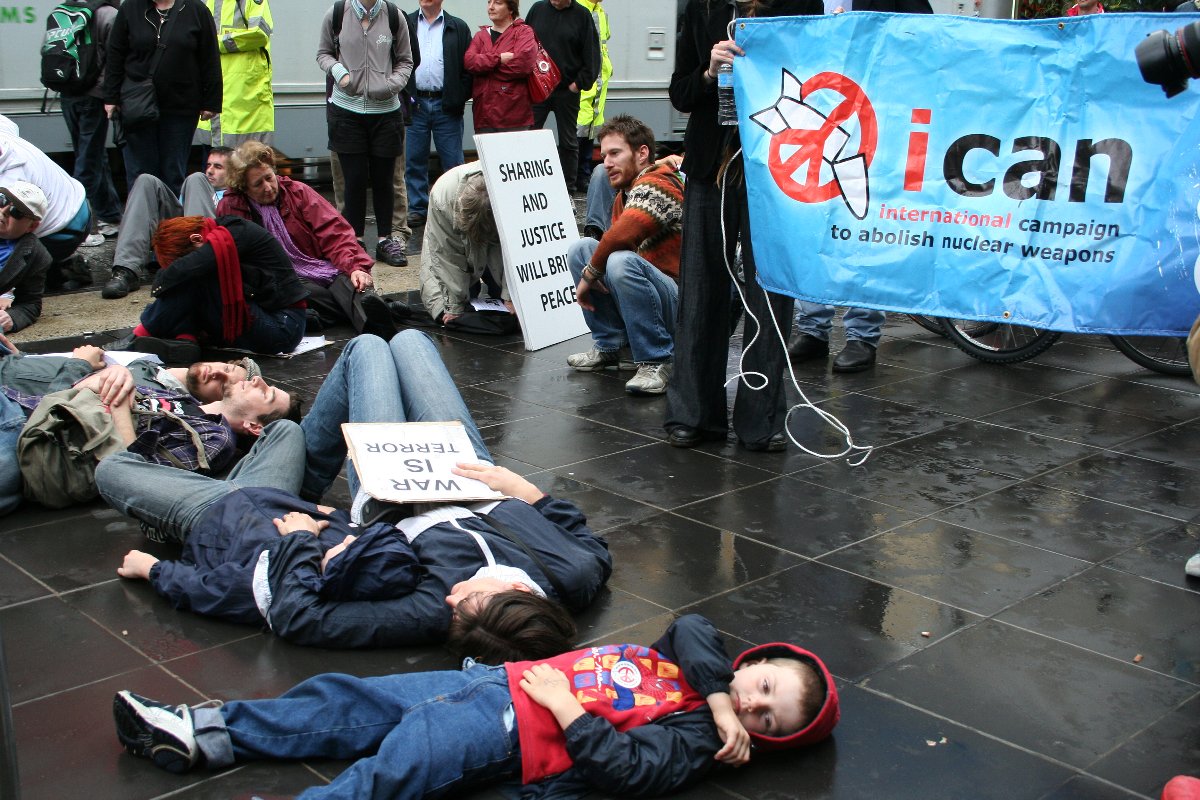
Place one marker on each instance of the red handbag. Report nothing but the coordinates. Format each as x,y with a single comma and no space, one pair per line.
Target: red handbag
545,76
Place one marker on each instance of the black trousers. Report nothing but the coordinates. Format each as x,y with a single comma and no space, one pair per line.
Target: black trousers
565,105
696,392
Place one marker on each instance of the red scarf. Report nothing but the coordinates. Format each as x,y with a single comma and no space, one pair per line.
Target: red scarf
234,314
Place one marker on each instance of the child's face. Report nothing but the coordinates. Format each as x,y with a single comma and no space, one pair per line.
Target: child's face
766,698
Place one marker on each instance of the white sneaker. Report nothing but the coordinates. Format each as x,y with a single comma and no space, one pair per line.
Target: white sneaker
1193,566
650,378
93,240
107,228
596,359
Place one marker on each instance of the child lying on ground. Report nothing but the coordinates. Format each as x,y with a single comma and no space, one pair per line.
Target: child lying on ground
622,719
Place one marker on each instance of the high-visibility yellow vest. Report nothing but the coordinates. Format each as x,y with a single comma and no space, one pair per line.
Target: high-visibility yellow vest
244,38
591,102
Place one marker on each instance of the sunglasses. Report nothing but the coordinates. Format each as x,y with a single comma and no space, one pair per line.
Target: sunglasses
13,211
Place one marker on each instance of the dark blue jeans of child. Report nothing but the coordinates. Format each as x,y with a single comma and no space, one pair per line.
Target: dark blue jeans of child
413,735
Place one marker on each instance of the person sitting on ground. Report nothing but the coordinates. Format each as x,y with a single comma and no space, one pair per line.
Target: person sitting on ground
461,551
461,242
229,284
150,201
627,280
331,263
23,260
621,719
67,218
174,428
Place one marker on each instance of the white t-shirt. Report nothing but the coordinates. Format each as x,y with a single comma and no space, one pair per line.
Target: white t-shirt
21,161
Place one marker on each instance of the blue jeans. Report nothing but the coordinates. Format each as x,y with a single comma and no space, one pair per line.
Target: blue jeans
88,127
172,500
377,381
862,324
639,308
414,735
447,132
600,198
12,419
161,150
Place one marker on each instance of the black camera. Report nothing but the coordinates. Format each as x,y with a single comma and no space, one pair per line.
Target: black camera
1169,60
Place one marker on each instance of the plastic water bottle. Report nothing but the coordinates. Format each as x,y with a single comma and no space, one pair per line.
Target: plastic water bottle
726,108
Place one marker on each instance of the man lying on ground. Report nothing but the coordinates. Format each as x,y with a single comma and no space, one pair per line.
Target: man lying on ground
247,556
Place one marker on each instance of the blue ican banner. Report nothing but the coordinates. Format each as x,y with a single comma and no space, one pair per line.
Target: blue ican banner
970,168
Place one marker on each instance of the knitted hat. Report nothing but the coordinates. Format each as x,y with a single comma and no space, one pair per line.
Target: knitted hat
828,715
26,198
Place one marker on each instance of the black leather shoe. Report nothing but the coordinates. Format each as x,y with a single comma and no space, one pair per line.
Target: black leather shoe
684,436
124,343
379,319
804,347
171,351
776,444
855,357
122,282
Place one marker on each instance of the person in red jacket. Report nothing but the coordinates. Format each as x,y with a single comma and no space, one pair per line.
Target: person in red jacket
623,719
501,58
322,247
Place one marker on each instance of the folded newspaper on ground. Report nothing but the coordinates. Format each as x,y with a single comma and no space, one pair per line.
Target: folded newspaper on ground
413,462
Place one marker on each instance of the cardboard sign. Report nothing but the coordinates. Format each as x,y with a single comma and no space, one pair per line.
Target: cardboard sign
412,462
536,222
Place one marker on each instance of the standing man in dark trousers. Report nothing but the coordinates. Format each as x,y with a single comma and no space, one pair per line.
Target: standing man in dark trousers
569,35
440,89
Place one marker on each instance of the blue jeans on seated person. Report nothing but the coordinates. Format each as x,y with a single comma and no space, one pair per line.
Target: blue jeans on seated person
639,309
171,500
414,735
862,324
377,381
12,420
600,198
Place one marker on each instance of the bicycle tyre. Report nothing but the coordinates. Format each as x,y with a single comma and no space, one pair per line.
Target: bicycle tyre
998,343
1165,354
934,324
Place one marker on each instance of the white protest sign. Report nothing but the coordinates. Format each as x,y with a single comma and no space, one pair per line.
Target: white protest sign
536,222
412,462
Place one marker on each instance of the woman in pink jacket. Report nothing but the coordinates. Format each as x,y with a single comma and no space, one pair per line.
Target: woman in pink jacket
501,57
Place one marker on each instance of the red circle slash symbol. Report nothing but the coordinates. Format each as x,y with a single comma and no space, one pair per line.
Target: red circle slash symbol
809,144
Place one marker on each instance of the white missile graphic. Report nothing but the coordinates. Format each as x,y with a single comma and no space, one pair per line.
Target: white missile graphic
790,112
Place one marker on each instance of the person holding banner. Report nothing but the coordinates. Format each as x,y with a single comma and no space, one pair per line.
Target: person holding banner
257,553
626,280
715,214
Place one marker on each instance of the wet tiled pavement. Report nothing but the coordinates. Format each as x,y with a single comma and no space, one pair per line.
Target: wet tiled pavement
981,588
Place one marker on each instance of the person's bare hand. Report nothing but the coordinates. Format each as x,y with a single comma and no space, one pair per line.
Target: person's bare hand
447,317
207,115
546,685
509,305
722,53
12,348
299,521
673,161
345,81
736,748
583,292
500,479
5,301
361,279
89,353
109,109
137,565
114,384
6,321
506,57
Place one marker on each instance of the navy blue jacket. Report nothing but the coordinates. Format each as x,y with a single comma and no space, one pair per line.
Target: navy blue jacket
553,529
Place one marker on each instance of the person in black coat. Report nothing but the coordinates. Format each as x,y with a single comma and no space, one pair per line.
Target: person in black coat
696,408
225,281
440,88
187,81
568,32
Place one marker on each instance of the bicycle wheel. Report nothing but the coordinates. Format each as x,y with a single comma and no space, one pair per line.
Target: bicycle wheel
1165,354
934,325
997,343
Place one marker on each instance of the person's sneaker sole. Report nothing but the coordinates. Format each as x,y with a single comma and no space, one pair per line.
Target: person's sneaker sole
136,724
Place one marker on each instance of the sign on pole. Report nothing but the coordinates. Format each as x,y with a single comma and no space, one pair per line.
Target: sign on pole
536,222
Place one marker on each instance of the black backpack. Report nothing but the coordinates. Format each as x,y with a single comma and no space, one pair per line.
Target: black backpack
70,61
